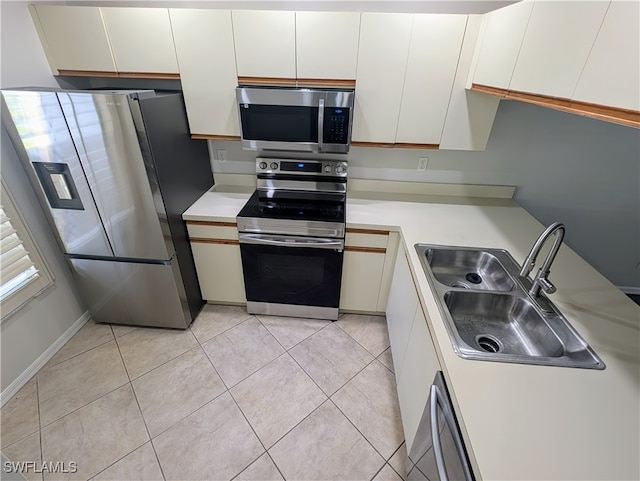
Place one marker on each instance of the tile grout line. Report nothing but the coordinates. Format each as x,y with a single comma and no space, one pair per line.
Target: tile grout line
394,453
141,415
39,423
364,437
155,367
358,342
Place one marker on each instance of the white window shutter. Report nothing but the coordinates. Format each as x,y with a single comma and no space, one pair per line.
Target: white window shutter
23,273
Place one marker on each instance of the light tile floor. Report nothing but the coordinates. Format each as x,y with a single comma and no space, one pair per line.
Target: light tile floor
236,396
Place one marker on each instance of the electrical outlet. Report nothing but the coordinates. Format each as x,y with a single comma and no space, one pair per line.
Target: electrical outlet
422,164
221,154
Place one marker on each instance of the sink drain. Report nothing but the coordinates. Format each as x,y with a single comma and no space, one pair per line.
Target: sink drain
459,284
489,343
473,278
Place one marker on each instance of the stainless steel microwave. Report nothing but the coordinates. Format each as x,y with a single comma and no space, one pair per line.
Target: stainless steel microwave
295,119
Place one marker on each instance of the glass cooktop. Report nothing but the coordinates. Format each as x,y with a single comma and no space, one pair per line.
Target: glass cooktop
309,206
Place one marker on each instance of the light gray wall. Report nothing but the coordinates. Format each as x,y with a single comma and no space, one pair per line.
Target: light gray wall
32,330
580,171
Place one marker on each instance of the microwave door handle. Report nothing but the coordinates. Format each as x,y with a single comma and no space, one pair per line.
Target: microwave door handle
321,125
435,434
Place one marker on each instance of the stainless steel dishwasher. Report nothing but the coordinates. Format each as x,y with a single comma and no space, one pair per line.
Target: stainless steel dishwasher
438,453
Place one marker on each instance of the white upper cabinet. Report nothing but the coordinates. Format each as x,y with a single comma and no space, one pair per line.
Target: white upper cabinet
470,115
327,45
431,68
141,39
382,59
265,43
74,38
503,33
557,42
204,47
611,75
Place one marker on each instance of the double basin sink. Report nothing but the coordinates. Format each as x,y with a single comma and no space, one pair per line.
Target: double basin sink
490,315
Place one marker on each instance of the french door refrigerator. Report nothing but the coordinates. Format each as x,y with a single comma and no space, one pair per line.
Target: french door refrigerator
116,170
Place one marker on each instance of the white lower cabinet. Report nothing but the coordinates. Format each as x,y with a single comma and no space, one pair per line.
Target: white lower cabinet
418,370
367,269
361,275
216,253
401,308
414,355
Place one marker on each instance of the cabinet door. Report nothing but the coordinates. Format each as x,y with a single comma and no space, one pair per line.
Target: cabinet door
75,38
327,44
470,114
204,47
401,309
382,59
419,369
361,276
612,73
219,269
431,68
501,40
265,43
556,45
141,39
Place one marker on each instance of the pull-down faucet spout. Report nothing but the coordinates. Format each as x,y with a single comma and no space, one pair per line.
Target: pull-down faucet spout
541,281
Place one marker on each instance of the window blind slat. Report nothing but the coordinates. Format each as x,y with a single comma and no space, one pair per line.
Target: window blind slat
14,258
6,230
15,269
9,243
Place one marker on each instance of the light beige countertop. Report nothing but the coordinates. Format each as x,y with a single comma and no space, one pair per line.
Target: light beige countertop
521,422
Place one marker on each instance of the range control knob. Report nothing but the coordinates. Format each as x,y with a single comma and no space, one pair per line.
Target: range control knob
274,165
327,168
262,165
341,169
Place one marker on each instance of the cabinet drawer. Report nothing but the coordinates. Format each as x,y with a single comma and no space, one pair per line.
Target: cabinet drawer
366,238
212,230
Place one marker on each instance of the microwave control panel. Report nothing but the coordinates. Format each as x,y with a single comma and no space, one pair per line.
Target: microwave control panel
336,125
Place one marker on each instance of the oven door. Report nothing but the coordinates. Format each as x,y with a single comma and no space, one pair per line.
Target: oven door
282,272
437,453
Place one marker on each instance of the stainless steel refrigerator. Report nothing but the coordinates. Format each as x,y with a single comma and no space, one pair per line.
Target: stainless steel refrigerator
116,170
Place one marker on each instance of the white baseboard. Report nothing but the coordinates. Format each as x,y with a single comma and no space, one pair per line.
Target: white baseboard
630,290
36,365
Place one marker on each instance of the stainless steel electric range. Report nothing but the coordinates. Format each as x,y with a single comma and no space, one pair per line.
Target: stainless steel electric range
291,234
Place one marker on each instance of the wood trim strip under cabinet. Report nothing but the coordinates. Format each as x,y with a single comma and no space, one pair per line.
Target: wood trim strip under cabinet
214,137
301,82
326,82
87,73
212,223
386,145
354,230
602,112
409,145
266,81
204,240
98,73
374,250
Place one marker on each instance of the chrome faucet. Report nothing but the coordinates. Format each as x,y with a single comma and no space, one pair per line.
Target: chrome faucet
541,281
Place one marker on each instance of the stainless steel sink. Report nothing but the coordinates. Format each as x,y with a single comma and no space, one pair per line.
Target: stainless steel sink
468,268
492,317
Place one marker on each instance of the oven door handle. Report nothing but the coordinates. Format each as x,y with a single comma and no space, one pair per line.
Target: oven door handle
321,125
291,241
